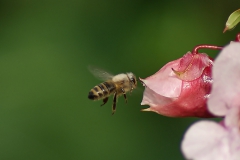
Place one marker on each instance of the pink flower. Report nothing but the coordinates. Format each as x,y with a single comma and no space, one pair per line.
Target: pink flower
180,88
208,140
226,74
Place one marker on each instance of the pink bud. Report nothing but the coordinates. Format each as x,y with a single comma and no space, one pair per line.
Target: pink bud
180,88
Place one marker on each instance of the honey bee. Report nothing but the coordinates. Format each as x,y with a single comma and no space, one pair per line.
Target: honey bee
117,85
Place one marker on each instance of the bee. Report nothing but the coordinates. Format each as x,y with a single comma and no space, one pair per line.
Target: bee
114,85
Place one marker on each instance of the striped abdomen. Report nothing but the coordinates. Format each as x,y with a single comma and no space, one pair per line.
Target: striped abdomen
102,90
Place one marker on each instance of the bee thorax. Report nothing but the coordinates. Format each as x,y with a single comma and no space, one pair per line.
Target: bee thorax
120,77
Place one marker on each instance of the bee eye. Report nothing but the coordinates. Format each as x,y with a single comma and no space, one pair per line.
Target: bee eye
133,80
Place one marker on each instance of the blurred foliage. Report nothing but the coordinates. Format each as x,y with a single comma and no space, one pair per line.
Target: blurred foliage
45,49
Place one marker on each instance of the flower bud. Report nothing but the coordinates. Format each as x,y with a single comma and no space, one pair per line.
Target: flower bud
180,88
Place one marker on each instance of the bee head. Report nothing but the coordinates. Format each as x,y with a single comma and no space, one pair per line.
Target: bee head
133,79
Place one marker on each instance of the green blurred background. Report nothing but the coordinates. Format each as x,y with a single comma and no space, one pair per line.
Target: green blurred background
45,49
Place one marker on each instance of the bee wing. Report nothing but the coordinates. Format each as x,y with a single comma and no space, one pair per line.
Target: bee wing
100,73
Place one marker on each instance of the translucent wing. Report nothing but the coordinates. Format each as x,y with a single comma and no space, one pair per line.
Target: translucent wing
100,73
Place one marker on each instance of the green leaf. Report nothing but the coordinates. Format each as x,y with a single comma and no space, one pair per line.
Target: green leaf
233,20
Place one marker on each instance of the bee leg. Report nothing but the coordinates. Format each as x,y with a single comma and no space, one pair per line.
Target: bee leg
131,91
104,101
125,97
124,94
114,103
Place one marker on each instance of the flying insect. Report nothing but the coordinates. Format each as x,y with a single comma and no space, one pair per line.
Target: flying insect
116,85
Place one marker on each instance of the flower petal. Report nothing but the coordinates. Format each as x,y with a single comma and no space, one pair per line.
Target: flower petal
206,140
157,102
232,118
192,66
226,75
165,82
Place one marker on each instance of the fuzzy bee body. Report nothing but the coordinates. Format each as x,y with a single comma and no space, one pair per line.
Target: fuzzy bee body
115,85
